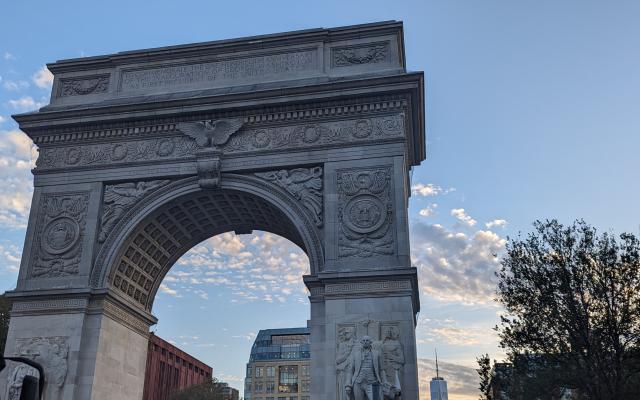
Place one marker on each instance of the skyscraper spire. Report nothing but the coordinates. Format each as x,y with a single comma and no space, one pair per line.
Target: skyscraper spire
438,385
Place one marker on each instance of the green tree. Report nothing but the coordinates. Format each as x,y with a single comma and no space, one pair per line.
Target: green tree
484,372
5,308
210,390
573,296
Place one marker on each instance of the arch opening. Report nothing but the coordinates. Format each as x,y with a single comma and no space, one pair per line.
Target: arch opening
153,244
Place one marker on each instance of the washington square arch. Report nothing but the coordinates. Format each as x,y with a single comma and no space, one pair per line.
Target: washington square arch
310,135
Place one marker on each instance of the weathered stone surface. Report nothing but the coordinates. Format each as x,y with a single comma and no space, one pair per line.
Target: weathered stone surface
309,135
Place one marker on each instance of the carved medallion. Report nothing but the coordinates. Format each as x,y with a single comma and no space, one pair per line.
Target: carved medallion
165,147
119,152
364,214
363,129
60,235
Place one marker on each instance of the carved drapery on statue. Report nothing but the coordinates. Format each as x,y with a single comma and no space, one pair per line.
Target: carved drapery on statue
52,354
118,199
365,212
59,236
386,344
305,184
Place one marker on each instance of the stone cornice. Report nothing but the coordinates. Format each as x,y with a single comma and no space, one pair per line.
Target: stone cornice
229,45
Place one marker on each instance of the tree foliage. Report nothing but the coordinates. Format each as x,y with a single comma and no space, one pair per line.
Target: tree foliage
210,390
5,308
484,372
573,295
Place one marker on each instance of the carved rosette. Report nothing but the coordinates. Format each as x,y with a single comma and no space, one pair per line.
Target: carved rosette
305,184
118,199
59,236
50,352
365,213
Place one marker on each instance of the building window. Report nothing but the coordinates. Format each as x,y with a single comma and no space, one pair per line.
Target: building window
304,386
304,370
270,372
258,372
259,387
247,385
288,382
248,371
270,386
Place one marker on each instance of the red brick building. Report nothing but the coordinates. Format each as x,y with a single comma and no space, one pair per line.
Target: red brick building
170,369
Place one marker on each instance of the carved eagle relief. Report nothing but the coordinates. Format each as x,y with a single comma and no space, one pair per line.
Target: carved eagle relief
212,133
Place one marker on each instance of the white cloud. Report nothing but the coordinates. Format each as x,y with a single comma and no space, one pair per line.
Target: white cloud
25,103
10,258
496,222
8,56
17,155
171,292
15,86
463,217
429,210
43,78
453,266
429,189
260,267
2,119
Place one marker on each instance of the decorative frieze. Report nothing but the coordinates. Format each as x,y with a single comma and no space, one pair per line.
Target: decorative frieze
84,85
118,199
368,53
305,184
317,134
373,287
306,135
116,153
59,235
50,305
365,212
242,68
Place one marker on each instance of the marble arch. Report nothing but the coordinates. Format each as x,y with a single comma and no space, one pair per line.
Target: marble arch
311,135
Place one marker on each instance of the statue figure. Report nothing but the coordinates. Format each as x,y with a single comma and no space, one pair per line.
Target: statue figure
14,380
392,361
364,371
345,347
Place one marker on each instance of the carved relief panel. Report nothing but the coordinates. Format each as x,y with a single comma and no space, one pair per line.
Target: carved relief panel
59,235
52,353
387,354
365,213
118,199
305,184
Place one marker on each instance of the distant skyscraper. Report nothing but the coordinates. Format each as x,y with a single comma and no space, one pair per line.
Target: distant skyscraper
438,385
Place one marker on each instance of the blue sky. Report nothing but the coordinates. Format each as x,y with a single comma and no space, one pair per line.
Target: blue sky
532,112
